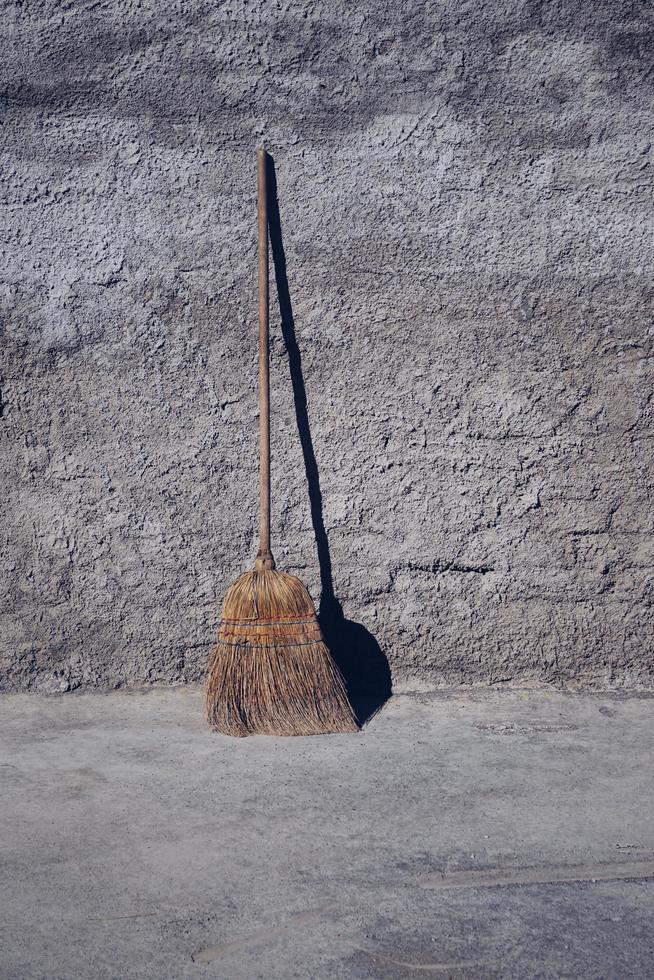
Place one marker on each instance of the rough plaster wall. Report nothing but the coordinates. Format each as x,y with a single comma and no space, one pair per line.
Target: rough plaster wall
463,190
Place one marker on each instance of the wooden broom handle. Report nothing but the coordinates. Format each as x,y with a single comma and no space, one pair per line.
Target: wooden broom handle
264,557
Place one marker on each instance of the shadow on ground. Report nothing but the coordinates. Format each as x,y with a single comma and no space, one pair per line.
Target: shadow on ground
356,651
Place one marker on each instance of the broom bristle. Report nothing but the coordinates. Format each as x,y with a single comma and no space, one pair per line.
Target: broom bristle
271,672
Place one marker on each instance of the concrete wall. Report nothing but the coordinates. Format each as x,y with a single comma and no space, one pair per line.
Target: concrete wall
463,191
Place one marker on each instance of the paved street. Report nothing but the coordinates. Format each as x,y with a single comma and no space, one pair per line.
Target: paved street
492,834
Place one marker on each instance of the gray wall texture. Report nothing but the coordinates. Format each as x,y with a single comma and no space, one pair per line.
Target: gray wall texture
463,190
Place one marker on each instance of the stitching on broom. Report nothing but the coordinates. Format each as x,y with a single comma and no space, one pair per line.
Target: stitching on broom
284,634
238,631
268,622
263,646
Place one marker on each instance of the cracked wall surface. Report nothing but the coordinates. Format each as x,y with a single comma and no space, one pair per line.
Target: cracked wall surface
464,192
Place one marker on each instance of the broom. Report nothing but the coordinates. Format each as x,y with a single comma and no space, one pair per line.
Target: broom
271,672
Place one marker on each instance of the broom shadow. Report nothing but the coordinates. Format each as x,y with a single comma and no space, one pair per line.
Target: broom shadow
356,651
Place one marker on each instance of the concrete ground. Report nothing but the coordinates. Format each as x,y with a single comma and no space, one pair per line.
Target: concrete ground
491,834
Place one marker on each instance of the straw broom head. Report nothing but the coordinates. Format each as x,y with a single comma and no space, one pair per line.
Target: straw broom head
271,672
